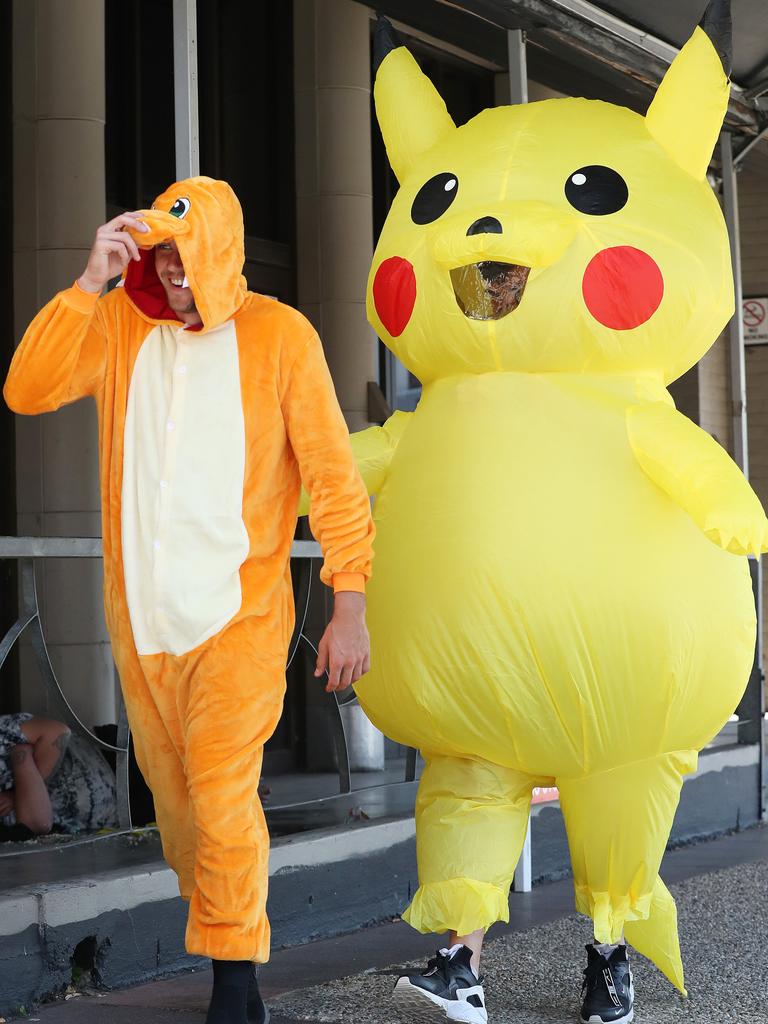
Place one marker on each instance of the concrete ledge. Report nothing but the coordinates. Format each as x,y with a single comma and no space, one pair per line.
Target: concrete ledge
329,846
133,919
120,899
75,899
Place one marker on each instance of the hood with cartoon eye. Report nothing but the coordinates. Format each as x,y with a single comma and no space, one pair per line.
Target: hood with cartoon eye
203,217
180,208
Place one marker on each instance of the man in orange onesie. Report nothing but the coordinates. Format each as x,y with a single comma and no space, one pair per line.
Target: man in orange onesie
214,405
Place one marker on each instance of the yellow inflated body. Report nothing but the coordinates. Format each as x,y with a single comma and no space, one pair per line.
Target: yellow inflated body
556,595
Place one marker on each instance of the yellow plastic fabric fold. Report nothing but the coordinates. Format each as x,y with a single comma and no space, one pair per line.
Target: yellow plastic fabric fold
458,904
656,935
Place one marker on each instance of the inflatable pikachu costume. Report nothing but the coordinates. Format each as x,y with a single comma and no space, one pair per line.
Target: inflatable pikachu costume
204,435
561,591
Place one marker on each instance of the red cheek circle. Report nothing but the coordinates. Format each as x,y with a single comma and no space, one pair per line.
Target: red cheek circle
622,287
394,294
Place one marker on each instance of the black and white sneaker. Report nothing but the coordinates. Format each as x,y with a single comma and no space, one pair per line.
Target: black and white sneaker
447,990
608,991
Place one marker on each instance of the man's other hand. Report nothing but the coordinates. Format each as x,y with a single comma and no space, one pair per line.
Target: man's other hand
111,252
345,649
7,802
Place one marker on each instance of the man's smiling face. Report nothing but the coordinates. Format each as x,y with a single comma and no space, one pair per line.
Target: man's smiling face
170,270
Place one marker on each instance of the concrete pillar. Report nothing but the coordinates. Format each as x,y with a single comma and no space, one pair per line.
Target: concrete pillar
334,237
59,193
334,195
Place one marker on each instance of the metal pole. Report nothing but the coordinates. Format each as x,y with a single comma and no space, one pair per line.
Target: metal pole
760,702
738,372
518,66
185,88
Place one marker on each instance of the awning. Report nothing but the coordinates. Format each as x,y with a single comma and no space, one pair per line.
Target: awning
620,48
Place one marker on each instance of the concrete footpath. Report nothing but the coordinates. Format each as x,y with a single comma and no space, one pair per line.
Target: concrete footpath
533,966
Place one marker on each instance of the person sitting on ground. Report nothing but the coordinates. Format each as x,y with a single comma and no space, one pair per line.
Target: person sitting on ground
51,780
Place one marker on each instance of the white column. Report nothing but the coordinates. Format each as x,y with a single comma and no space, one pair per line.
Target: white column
334,232
185,88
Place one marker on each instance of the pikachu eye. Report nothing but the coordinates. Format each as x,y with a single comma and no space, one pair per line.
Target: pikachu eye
434,198
596,190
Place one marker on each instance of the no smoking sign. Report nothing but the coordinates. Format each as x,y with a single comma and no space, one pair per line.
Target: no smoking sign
754,314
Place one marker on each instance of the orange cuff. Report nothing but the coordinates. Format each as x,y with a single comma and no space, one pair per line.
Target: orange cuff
81,300
354,581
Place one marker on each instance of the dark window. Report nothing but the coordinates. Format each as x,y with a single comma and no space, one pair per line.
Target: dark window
245,59
245,102
139,135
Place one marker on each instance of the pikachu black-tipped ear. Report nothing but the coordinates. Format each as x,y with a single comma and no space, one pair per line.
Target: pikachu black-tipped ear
687,112
410,111
716,23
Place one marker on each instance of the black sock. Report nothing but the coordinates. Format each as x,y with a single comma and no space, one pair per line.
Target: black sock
257,1012
230,992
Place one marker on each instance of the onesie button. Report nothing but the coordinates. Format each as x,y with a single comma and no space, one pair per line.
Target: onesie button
157,545
163,484
182,369
170,425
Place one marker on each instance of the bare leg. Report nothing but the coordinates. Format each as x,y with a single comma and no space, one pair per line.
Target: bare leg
474,941
33,804
621,941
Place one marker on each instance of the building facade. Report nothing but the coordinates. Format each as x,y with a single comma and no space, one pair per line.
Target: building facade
285,114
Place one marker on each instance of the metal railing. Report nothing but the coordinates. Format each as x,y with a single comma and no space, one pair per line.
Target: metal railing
388,798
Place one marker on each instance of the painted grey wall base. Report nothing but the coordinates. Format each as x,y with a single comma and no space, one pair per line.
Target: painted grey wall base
332,899
130,947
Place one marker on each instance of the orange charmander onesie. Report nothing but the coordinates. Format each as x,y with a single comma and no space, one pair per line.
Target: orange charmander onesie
206,436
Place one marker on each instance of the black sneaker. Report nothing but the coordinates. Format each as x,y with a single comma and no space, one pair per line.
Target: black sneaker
608,991
447,990
257,1010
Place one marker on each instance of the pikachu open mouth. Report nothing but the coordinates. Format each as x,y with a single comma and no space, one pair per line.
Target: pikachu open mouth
489,290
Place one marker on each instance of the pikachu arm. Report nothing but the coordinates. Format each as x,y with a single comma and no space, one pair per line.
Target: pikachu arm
699,476
373,450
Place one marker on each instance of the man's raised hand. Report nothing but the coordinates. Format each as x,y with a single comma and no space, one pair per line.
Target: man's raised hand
111,252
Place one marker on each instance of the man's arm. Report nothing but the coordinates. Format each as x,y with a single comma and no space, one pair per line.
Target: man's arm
699,476
373,450
375,447
62,356
340,513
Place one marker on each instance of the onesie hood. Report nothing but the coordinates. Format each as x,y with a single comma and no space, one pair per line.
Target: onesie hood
203,216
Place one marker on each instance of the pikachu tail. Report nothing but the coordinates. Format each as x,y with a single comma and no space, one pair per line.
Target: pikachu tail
656,937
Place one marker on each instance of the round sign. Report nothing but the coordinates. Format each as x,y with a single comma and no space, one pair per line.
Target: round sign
754,313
